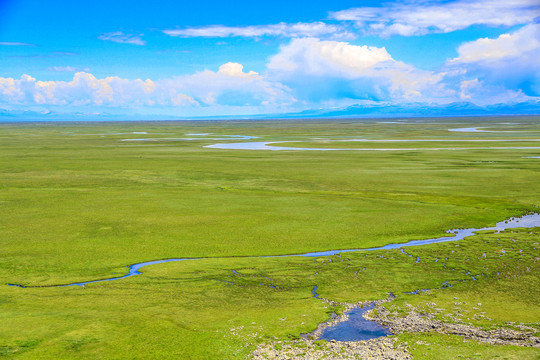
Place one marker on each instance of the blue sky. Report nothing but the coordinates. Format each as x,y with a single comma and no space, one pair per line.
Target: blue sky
212,58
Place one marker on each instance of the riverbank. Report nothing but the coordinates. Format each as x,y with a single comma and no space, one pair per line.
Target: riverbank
419,321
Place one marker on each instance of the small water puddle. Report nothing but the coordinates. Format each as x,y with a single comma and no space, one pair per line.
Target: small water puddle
356,328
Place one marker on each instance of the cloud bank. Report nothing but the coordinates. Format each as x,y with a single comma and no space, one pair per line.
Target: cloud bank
229,86
309,73
411,18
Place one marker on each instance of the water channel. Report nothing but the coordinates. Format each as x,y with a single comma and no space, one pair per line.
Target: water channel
526,221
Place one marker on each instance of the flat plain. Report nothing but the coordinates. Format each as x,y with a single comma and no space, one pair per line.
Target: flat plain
81,201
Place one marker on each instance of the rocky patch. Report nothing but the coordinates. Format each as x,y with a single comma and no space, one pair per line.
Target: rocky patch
417,321
386,348
383,348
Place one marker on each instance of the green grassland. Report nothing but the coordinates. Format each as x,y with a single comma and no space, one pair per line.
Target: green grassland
77,203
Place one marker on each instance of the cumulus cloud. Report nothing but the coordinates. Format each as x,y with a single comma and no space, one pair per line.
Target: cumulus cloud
314,29
236,70
422,17
483,93
315,57
229,86
120,37
318,70
307,73
507,62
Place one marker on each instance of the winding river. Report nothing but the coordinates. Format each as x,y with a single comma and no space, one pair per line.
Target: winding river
526,221
271,145
355,327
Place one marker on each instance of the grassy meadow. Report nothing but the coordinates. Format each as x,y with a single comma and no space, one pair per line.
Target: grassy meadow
78,202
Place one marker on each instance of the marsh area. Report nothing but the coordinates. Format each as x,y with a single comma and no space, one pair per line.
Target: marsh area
80,201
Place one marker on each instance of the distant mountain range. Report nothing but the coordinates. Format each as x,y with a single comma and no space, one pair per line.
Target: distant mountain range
354,111
422,110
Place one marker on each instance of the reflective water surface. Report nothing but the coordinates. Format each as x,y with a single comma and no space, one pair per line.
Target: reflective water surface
356,328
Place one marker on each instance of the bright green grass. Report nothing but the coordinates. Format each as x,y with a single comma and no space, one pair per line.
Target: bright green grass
76,206
450,347
189,309
508,286
85,206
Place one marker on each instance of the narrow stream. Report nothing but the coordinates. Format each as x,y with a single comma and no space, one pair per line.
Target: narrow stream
526,221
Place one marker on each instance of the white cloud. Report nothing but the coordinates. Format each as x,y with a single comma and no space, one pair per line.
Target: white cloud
84,89
318,57
314,29
507,62
468,86
235,69
229,86
322,70
484,92
13,43
120,37
513,45
305,73
422,17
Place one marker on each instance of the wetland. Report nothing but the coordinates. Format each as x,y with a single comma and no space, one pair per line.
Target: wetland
79,203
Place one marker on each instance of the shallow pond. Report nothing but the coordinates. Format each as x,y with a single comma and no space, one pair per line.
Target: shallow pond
355,328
